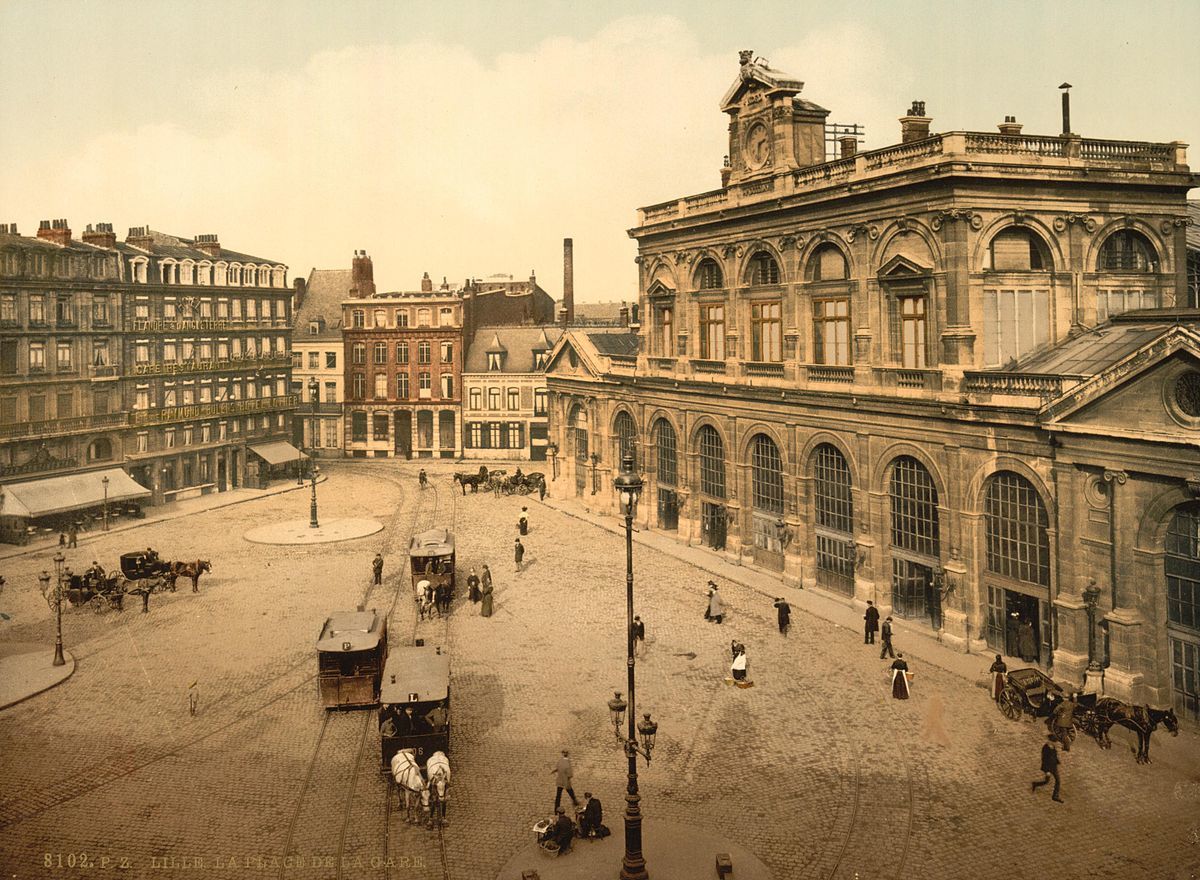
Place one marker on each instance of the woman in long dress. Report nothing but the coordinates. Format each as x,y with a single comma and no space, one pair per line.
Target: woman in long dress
485,602
899,678
999,671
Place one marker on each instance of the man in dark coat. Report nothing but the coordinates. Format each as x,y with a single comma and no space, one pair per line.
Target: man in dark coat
593,815
473,586
518,553
871,625
785,615
377,567
442,597
886,637
639,636
562,832
422,479
1049,769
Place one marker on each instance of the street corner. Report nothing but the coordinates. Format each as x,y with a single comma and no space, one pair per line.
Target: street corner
28,669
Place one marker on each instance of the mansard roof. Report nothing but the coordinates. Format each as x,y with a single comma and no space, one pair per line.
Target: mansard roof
519,342
323,295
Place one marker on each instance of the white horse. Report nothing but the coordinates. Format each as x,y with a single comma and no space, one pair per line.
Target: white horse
407,773
438,770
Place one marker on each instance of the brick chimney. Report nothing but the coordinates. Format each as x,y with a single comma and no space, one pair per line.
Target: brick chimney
102,236
426,283
445,284
914,126
209,243
726,173
300,288
562,318
569,279
8,229
56,231
623,315
362,275
849,145
140,237
1010,126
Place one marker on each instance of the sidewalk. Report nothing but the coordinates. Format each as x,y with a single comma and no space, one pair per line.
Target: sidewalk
161,513
914,641
27,668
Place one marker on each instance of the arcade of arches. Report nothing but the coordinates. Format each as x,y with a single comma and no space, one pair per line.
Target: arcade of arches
986,567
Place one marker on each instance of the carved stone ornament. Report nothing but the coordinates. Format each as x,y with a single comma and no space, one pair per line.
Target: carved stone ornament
940,218
902,223
788,241
1019,217
683,257
1179,222
1193,487
729,251
1062,222
869,230
638,259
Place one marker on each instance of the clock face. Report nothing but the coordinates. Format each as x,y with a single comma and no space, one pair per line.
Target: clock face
758,146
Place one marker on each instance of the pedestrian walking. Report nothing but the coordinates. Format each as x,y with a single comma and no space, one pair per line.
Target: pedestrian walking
716,605
785,615
900,676
639,636
485,594
541,490
473,586
562,773
886,635
377,567
1049,769
871,625
739,668
518,553
73,535
422,479
999,673
62,539
523,522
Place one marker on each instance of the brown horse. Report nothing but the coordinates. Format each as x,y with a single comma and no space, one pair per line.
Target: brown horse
192,570
1142,720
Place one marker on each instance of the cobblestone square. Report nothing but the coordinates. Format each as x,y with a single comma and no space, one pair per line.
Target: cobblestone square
814,770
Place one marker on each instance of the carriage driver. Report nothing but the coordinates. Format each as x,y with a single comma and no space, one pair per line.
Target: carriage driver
151,556
1061,720
96,572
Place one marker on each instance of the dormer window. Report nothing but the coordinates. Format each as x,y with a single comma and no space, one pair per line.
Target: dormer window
494,359
313,329
540,359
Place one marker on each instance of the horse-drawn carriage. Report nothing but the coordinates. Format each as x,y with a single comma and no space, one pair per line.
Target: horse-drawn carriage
1031,692
499,481
414,727
99,592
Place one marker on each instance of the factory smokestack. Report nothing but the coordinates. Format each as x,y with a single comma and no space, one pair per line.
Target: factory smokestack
569,279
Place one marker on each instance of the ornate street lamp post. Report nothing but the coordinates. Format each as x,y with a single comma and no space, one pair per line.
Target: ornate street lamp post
59,559
313,391
552,451
629,488
104,482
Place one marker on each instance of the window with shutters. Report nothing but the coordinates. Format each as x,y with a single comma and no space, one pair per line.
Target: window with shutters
447,386
712,332
65,405
1015,322
712,462
766,332
8,356
8,410
708,275
763,270
37,407
447,352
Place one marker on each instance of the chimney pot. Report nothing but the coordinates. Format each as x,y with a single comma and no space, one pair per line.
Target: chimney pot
1010,126
849,145
914,126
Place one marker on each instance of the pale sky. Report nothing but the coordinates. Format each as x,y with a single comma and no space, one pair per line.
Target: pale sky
466,139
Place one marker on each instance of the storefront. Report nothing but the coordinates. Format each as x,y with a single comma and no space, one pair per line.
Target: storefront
54,504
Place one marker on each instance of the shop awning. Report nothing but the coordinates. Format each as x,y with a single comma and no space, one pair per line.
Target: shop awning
278,452
36,498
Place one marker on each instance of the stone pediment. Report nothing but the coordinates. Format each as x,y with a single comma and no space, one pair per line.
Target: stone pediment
1151,394
658,289
900,266
569,358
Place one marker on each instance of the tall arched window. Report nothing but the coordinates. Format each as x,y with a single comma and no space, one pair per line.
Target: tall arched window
766,491
1127,250
915,547
708,275
763,269
827,263
712,462
100,450
667,469
1182,566
626,436
834,519
1018,545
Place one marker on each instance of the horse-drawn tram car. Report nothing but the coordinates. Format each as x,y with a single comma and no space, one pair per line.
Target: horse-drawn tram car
431,559
352,650
414,703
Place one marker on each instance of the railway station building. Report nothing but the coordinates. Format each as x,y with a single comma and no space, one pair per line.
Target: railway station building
958,376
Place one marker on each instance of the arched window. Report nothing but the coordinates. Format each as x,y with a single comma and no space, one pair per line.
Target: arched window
766,470
100,450
763,269
827,263
1018,546
1127,250
626,436
1017,249
1182,566
712,462
834,519
708,275
667,457
915,547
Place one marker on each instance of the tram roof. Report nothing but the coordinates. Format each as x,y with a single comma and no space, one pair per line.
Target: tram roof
435,542
361,630
423,671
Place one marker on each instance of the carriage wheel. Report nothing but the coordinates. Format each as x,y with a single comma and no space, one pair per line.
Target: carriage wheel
99,603
1008,705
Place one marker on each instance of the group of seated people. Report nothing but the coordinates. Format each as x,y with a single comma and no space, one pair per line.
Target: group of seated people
408,722
562,831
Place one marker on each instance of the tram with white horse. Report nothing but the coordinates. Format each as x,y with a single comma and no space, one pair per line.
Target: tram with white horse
414,728
351,650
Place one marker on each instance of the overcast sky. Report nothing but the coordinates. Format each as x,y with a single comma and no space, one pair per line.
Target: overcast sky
466,139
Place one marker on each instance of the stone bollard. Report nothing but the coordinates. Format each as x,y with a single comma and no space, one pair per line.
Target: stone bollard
145,600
